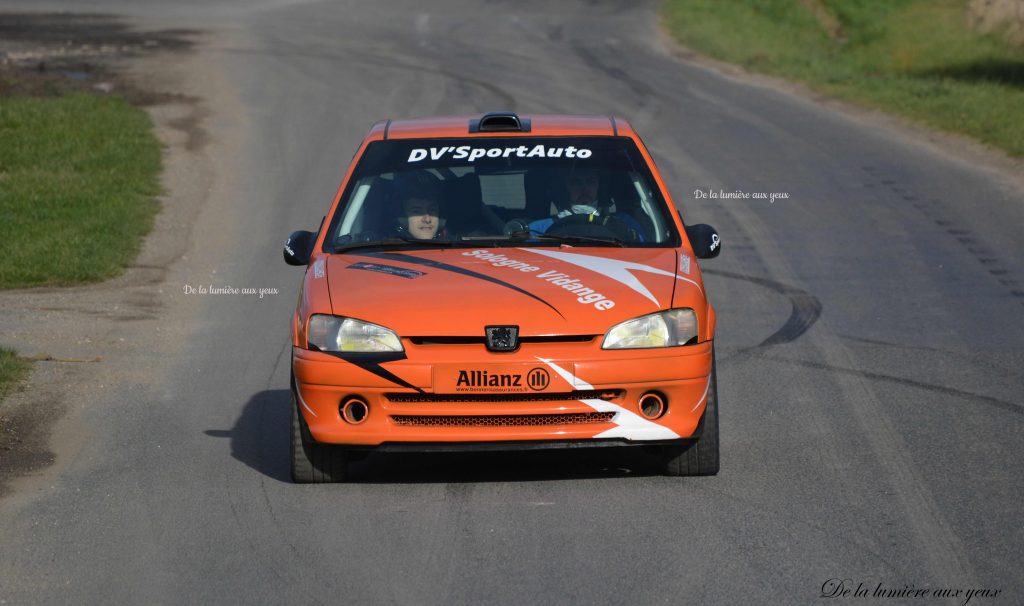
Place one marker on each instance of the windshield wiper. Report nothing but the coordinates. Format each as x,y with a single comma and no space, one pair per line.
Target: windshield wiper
399,241
524,236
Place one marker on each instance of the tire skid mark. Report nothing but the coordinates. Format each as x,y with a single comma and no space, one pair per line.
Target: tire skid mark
912,499
875,376
285,348
914,502
387,60
266,563
941,550
940,546
964,237
896,345
297,551
642,89
806,308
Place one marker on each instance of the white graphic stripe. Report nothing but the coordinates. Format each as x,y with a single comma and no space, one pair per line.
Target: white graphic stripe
565,374
614,269
706,388
692,282
631,426
620,271
298,394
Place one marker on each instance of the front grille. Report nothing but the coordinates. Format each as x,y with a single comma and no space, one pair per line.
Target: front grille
590,394
501,420
482,340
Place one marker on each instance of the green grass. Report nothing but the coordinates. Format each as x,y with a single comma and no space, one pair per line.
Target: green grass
78,178
12,370
916,58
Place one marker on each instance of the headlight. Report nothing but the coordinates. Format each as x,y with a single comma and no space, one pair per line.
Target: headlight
663,329
333,333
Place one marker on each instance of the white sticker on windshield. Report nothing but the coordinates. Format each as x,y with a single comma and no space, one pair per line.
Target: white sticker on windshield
472,154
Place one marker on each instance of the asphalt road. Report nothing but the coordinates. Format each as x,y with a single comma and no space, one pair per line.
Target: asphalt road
870,349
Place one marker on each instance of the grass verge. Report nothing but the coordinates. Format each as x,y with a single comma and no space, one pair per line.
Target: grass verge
12,370
916,58
78,180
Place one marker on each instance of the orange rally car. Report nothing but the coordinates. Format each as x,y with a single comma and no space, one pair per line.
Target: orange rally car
502,282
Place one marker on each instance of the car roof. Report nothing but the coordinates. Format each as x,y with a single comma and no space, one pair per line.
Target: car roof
533,125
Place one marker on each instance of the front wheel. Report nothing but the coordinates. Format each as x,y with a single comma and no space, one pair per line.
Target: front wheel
700,459
314,463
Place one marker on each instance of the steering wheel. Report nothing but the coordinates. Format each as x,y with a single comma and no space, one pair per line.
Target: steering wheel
594,226
515,225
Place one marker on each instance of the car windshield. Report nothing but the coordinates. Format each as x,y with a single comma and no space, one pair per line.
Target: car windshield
515,191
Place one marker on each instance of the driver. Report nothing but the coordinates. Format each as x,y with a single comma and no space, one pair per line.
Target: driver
581,189
419,206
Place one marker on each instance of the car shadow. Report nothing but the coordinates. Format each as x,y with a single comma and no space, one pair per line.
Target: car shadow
260,439
498,466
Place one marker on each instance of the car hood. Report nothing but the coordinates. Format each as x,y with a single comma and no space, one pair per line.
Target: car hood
544,291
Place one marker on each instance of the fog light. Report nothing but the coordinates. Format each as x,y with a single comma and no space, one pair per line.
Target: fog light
652,405
354,410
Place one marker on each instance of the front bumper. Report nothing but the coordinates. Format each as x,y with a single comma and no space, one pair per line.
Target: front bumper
593,395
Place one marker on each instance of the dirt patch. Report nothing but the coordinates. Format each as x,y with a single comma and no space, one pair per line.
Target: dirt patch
992,15
24,430
52,54
86,339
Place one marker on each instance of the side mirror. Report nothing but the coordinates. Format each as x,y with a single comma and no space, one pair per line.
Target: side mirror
298,247
705,241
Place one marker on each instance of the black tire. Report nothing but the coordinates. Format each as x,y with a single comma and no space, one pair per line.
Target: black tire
701,458
314,463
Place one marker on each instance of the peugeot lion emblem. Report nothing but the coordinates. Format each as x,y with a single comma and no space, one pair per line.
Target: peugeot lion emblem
502,338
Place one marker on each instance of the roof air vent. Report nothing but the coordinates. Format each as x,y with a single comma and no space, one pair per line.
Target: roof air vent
499,122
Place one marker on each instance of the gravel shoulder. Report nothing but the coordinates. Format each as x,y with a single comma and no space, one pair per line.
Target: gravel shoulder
81,337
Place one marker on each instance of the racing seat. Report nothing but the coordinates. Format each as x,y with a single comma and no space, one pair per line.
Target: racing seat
465,210
627,202
541,187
